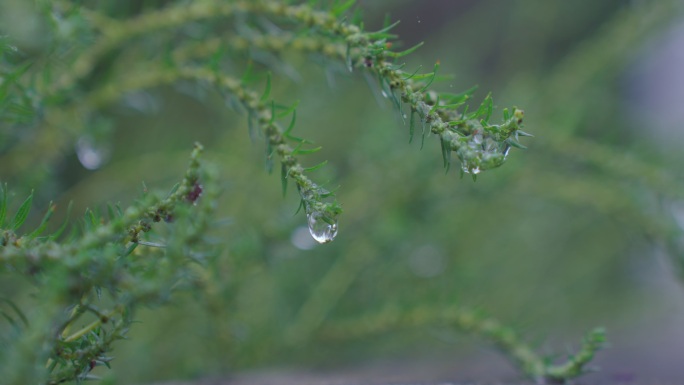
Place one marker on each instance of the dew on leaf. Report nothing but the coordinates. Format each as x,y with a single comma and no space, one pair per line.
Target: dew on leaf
322,230
475,170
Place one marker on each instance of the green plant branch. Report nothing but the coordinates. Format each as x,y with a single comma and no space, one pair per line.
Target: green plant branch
93,325
467,320
616,39
137,220
284,42
30,253
602,199
263,114
582,66
77,364
617,162
105,258
102,319
478,144
50,142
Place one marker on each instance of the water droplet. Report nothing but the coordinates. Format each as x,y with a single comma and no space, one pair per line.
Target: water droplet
467,170
90,154
321,230
477,138
384,94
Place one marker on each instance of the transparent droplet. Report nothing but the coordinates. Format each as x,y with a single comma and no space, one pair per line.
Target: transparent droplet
506,150
90,154
321,230
384,94
467,170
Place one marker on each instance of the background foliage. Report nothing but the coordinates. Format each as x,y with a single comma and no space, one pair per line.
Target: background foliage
564,237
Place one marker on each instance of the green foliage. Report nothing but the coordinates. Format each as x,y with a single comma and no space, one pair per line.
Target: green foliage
88,285
103,272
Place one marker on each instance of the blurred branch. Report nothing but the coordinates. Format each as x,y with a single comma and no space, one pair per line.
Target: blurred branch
470,321
612,44
615,43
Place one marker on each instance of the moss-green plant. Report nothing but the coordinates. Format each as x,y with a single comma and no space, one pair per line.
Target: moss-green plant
98,275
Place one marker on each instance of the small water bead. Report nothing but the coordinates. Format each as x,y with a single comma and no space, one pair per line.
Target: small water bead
320,229
477,138
468,170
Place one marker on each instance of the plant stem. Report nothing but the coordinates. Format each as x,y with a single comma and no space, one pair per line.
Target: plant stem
93,325
470,321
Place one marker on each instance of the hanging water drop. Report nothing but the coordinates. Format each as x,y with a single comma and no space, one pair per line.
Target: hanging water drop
477,138
475,170
322,229
507,148
89,154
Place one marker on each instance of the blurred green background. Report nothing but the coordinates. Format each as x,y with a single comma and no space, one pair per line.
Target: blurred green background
583,229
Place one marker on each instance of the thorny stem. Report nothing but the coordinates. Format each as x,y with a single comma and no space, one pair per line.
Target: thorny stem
75,272
116,32
453,131
125,228
275,43
102,319
132,217
311,193
478,144
468,320
93,325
